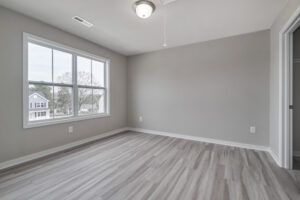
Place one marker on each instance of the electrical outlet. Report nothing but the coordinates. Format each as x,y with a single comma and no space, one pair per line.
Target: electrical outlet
140,118
70,129
253,129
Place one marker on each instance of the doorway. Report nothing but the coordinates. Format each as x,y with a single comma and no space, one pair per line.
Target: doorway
286,93
296,100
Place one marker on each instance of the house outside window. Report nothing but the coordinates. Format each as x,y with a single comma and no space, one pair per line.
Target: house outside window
37,98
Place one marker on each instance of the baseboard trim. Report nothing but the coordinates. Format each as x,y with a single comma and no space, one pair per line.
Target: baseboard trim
202,139
213,141
275,157
31,157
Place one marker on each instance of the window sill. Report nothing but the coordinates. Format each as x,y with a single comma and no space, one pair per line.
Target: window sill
63,120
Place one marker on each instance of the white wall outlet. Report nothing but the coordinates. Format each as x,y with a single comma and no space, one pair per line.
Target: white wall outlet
253,129
140,118
70,129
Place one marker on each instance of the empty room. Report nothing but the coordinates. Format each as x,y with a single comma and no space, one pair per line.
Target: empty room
150,99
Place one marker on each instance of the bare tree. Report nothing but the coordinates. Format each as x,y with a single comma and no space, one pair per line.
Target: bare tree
85,96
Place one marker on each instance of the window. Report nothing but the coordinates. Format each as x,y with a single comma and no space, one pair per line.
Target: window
62,83
90,76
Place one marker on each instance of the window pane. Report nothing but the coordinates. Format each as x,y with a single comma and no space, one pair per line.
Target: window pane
63,102
84,71
84,101
39,63
98,73
40,101
62,67
98,101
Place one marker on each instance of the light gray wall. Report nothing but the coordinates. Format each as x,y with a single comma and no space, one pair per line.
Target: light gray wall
215,89
278,24
16,141
296,93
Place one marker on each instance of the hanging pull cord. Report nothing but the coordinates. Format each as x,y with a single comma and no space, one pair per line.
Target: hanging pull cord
165,31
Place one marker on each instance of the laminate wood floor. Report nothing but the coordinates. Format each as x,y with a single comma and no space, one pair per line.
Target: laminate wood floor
142,166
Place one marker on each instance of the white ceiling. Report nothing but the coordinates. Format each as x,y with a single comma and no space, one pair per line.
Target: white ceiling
118,28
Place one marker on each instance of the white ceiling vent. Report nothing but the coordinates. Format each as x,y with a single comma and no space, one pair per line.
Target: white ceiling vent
165,2
83,21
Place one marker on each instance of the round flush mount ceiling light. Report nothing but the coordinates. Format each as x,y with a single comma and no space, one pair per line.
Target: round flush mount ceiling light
144,8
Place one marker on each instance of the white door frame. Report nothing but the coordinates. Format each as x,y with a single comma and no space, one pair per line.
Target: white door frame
286,90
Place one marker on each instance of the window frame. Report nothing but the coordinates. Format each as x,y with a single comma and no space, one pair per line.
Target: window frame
74,52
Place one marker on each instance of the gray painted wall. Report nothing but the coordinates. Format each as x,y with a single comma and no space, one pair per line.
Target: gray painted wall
213,67
278,24
296,93
16,141
215,89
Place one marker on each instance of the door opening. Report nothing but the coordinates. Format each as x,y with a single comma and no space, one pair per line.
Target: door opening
286,92
295,89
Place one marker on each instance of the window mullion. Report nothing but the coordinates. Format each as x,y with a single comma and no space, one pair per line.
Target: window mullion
92,85
105,86
52,84
75,88
91,73
52,65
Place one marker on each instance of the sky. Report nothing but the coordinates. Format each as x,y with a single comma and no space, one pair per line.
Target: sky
40,66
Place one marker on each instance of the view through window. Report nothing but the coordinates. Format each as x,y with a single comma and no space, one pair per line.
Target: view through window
64,84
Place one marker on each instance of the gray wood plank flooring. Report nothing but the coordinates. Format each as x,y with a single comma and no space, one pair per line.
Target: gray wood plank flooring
141,166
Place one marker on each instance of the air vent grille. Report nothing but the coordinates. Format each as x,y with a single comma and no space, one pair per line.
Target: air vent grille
83,21
165,2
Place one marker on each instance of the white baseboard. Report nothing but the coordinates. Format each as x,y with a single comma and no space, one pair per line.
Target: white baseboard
275,157
202,139
24,159
20,160
214,141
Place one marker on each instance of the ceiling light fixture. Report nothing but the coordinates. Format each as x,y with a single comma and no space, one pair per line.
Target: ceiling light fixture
144,8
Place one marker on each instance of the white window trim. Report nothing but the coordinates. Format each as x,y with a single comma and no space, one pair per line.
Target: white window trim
30,124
